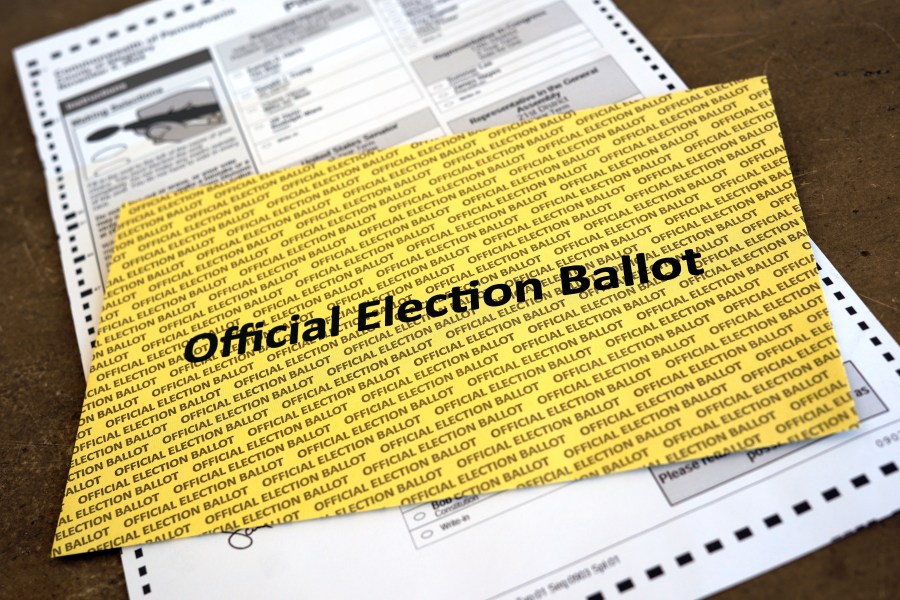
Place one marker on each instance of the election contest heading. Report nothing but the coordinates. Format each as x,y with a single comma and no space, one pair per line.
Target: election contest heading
572,296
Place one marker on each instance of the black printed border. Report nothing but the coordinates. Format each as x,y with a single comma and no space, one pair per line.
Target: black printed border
142,569
115,33
749,530
612,14
56,186
861,323
796,510
68,225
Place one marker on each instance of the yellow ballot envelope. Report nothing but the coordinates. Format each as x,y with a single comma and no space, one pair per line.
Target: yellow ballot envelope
572,296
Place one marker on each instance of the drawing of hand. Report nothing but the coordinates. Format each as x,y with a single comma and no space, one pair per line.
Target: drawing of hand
180,128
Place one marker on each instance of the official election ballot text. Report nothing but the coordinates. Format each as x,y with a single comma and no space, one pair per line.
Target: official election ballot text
373,314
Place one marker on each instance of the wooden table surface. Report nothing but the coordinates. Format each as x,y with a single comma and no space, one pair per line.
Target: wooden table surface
834,67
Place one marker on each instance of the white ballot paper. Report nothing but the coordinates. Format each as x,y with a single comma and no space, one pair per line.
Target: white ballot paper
172,95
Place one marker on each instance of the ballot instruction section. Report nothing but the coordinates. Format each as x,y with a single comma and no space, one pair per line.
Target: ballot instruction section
223,90
457,402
